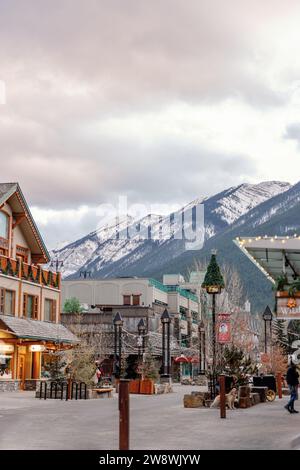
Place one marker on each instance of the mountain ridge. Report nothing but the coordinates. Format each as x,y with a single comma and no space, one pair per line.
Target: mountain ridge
108,252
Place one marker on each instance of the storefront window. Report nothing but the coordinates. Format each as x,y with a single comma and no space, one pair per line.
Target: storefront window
6,366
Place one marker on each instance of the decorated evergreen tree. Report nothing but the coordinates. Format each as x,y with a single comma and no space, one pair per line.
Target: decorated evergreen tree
280,338
55,368
213,278
293,332
237,364
149,367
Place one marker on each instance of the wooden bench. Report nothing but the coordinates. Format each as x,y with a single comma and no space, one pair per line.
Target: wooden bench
102,392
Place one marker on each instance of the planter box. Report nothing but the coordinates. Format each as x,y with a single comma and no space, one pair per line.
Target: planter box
147,387
134,386
285,294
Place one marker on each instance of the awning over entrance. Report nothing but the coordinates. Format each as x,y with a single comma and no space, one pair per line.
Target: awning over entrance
36,330
273,255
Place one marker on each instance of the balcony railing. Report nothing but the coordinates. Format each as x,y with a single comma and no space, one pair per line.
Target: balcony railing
29,272
185,293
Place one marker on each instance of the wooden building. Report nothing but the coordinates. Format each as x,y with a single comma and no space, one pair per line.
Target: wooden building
30,326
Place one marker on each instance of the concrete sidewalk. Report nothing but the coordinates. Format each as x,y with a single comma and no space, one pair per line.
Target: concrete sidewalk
157,422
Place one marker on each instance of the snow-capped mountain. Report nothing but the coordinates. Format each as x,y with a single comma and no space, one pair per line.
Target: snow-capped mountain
228,206
119,247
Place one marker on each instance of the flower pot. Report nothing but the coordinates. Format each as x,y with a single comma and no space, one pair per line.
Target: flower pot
147,387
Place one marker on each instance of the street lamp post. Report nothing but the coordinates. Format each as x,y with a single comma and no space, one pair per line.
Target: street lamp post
118,325
213,283
141,337
201,331
166,321
267,316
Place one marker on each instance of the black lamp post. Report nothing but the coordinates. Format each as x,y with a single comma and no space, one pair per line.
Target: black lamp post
213,284
118,325
201,332
166,357
141,337
267,316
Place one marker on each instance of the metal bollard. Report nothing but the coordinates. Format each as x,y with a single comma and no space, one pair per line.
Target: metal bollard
41,390
75,384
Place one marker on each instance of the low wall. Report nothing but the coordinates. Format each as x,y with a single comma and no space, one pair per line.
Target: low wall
9,385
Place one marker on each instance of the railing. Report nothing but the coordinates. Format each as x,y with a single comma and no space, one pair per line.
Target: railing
158,285
63,390
29,272
185,293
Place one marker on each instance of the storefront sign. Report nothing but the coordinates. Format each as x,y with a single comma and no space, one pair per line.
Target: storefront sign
224,328
7,348
288,308
37,348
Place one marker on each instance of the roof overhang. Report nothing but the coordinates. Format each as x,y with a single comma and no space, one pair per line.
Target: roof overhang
21,213
273,255
27,329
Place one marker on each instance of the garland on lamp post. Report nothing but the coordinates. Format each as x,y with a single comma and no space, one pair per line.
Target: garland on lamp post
213,284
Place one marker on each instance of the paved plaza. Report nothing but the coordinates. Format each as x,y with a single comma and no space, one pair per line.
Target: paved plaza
157,422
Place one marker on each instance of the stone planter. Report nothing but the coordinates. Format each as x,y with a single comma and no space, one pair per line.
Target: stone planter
9,385
192,401
195,400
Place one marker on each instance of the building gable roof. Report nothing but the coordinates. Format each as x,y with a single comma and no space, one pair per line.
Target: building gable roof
11,193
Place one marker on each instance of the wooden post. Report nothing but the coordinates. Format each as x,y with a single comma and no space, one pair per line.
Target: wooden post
279,386
222,396
124,414
69,388
36,365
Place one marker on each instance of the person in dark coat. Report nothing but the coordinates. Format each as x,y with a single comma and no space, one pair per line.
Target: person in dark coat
292,378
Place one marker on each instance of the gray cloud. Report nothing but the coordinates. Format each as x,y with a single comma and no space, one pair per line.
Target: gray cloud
69,65
292,132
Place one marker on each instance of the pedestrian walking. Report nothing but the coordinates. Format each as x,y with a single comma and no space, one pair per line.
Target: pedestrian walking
99,374
292,378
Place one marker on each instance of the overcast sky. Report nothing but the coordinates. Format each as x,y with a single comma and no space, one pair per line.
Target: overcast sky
163,101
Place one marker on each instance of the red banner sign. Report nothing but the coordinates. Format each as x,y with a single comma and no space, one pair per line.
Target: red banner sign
223,328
